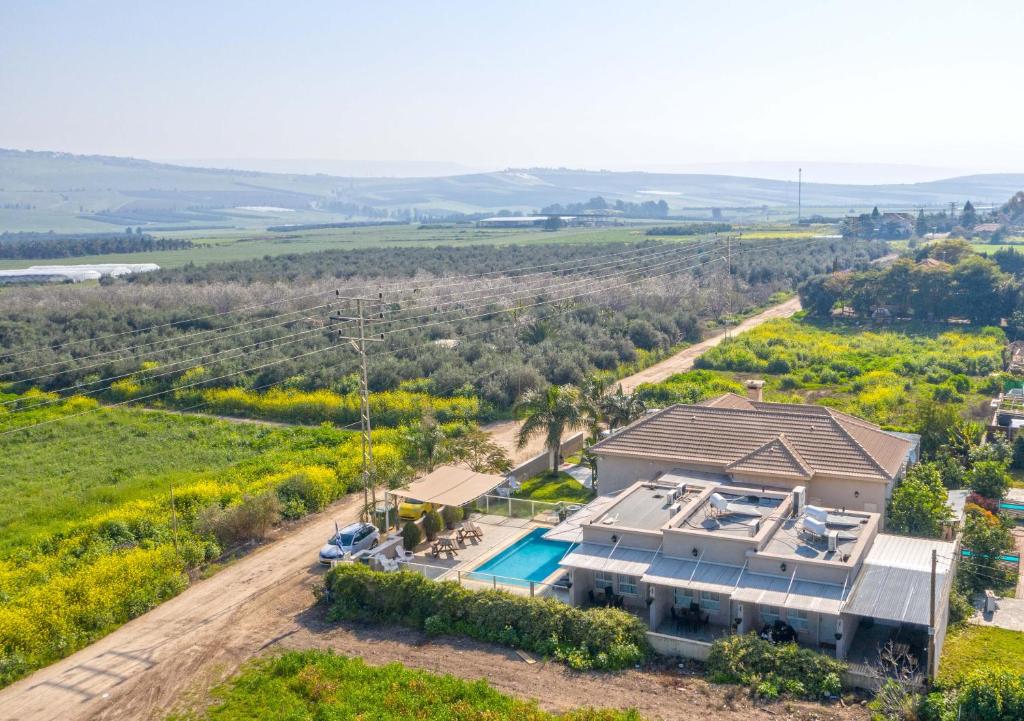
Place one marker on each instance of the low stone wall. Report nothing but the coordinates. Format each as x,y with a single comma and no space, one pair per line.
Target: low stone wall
666,645
539,464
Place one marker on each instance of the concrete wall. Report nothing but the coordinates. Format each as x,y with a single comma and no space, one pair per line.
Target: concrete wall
675,646
539,464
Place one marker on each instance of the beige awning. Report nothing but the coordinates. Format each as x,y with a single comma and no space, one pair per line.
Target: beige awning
450,486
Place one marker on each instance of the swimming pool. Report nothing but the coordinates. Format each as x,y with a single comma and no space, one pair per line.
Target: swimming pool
531,558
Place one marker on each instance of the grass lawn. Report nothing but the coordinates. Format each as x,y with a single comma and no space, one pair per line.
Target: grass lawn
321,685
554,488
973,647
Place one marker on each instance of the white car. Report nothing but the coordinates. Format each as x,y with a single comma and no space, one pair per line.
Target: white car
350,539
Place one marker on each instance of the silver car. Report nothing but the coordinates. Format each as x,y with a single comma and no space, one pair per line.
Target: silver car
350,539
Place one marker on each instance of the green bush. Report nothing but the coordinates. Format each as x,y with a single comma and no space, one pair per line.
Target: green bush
432,523
248,520
762,666
594,638
991,695
411,535
451,515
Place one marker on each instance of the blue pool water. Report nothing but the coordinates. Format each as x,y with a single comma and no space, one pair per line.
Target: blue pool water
531,558
1012,506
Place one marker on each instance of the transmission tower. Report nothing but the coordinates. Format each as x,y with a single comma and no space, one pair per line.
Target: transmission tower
366,313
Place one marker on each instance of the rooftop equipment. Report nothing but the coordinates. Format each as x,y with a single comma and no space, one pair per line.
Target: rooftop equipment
815,527
799,500
817,513
833,541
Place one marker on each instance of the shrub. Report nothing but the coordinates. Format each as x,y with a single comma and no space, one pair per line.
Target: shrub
594,638
992,695
249,520
960,608
451,515
411,535
307,490
990,479
432,523
753,662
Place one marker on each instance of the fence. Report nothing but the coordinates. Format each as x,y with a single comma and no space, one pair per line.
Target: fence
540,511
479,581
539,464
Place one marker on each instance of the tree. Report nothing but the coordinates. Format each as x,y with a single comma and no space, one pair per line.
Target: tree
987,540
939,426
989,479
875,215
969,217
552,412
918,505
1017,460
553,222
474,447
621,408
426,443
921,225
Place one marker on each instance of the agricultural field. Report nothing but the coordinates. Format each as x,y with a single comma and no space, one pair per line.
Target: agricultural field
319,684
882,374
217,246
88,541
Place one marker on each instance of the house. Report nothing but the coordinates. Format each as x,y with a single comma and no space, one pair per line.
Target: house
985,231
842,461
698,558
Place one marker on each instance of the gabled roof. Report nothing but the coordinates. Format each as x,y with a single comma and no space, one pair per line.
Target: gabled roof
730,432
777,457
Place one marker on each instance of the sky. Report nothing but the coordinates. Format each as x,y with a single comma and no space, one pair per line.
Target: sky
931,87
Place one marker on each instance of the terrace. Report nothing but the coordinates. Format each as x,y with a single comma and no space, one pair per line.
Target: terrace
839,539
646,507
734,512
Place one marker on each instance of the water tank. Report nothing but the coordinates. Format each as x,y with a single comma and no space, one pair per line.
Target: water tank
719,503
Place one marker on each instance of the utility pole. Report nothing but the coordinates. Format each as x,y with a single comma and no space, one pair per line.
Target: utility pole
799,195
931,622
358,341
727,286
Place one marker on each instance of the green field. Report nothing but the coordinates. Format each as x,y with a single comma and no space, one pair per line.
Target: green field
320,685
219,246
971,648
86,534
882,374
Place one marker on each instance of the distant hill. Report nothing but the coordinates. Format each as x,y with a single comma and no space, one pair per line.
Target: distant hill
71,193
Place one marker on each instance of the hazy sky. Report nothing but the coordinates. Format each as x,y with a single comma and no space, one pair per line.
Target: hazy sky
490,85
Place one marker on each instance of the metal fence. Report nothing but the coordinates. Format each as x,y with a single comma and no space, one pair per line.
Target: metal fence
479,581
524,508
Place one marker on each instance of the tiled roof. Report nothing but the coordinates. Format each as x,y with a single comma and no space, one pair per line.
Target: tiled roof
734,433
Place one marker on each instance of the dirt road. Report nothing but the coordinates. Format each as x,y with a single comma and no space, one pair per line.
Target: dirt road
505,433
170,658
182,647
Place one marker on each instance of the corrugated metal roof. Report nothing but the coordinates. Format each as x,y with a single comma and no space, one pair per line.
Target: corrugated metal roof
895,581
700,576
791,592
611,559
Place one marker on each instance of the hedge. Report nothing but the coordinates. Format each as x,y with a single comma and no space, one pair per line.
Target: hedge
593,638
772,669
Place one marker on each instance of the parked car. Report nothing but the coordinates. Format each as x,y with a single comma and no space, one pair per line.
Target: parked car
412,510
350,539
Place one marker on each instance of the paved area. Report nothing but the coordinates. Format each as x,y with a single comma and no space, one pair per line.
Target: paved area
1009,614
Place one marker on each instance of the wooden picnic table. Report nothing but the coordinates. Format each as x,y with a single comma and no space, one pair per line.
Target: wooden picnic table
444,544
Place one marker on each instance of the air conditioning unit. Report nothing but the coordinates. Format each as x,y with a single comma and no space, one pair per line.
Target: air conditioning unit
799,499
674,509
833,541
817,513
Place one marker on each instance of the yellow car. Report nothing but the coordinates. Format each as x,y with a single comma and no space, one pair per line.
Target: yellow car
411,510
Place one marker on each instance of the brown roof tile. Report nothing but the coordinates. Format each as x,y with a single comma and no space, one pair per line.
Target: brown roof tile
735,433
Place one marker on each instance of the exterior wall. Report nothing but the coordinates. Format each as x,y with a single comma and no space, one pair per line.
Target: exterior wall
615,474
584,581
844,493
539,464
666,645
715,549
850,625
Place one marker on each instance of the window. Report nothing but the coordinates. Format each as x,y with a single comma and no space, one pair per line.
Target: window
603,580
769,614
710,602
683,597
627,585
798,620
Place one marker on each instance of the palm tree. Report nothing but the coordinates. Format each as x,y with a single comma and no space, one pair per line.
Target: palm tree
551,412
621,408
426,443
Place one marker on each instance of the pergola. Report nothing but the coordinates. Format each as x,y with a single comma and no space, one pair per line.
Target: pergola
448,486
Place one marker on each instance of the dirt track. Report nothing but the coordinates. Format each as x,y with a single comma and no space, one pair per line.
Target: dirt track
174,653
505,433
